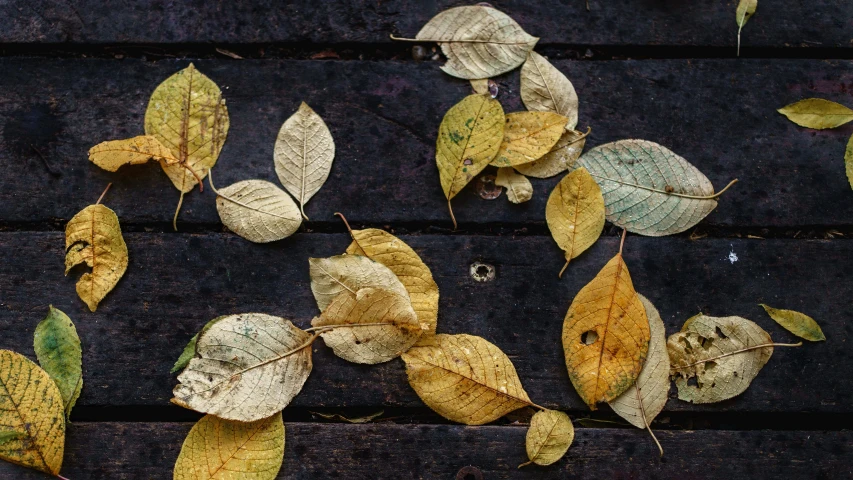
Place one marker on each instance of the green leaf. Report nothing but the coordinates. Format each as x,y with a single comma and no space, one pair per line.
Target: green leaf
6,436
59,353
797,323
189,350
848,161
817,113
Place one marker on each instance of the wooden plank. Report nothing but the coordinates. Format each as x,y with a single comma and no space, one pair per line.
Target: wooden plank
719,114
177,282
824,23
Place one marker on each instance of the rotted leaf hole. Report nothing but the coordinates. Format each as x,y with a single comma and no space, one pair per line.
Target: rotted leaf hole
482,272
469,473
589,337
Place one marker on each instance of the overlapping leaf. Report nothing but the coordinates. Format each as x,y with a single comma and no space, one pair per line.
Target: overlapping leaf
258,211
518,187
333,276
528,136
546,89
189,351
549,437
564,154
113,154
797,323
59,353
817,113
575,213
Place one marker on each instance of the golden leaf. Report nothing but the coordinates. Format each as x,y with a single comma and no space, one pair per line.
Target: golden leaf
480,85
217,449
817,113
528,136
93,237
374,325
350,273
564,154
31,407
464,378
797,323
848,161
744,12
304,151
575,214
257,210
132,151
518,187
549,437
546,89
246,367
606,335
59,353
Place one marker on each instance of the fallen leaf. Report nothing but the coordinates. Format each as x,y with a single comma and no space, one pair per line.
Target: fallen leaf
31,407
575,214
113,154
468,138
59,353
648,189
797,323
745,10
222,450
93,237
563,156
465,379
480,85
549,437
518,187
373,325
546,89
528,136
817,113
333,276
606,335
257,210
246,367
304,151
356,420
479,41
848,161
189,351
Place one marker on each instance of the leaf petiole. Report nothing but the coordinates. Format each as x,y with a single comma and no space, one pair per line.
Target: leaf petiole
742,350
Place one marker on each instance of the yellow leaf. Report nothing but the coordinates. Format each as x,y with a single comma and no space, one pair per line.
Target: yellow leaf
528,136
817,113
745,10
575,213
257,210
31,407
93,237
546,89
464,379
333,276
564,154
797,323
480,85
848,161
132,151
217,449
606,335
549,437
518,187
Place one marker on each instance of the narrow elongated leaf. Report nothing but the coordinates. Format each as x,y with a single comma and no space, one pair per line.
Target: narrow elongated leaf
246,367
518,187
848,161
31,407
464,378
258,211
528,136
304,151
217,449
350,273
797,323
59,353
93,237
564,154
745,10
575,213
546,89
549,437
817,113
189,351
113,154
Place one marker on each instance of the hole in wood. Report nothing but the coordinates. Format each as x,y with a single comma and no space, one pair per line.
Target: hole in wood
469,473
482,272
486,187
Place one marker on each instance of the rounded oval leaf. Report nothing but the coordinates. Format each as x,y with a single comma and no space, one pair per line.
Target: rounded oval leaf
549,437
59,353
518,187
546,89
564,154
817,113
333,276
575,213
797,323
528,136
258,211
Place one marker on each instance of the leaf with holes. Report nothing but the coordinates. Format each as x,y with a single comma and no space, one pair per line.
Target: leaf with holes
817,113
246,367
575,214
333,276
797,323
549,437
745,10
258,211
562,157
304,151
113,154
518,187
59,353
217,449
546,89
528,136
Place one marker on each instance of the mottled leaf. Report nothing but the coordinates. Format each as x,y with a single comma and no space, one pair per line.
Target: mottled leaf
797,323
546,89
113,154
349,273
549,437
564,154
528,136
745,10
575,214
258,211
59,353
518,187
817,113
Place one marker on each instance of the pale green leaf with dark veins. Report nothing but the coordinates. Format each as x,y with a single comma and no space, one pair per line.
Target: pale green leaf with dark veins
59,353
797,323
189,350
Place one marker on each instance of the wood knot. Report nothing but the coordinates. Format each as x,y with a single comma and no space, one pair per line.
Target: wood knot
469,473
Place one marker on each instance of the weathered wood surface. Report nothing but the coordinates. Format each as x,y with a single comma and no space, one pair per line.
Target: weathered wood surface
821,23
719,114
177,282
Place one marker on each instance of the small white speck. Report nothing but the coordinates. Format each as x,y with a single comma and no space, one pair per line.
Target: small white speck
732,255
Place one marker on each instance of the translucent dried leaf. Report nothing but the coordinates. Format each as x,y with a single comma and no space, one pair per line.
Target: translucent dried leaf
304,151
246,367
258,211
93,237
31,407
59,353
797,323
817,113
113,154
549,437
575,213
479,41
518,187
380,325
546,89
606,335
724,354
350,273
745,10
189,351
464,379
528,136
217,449
848,161
564,154
480,85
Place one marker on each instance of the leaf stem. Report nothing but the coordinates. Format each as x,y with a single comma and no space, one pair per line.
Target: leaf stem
60,477
560,275
351,234
645,420
326,328
105,192
622,243
453,217
540,407
728,354
210,180
177,210
682,195
403,39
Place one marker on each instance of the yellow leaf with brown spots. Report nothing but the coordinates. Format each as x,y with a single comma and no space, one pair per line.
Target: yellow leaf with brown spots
528,136
113,154
549,437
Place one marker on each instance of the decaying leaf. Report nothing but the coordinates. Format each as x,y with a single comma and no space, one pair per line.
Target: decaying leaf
113,154
648,189
848,161
59,353
817,113
375,325
333,276
606,335
518,187
31,407
546,89
246,367
549,437
480,85
257,210
93,237
464,378
189,351
356,420
745,10
797,323
217,449
468,138
304,151
479,41
564,154
575,214
528,136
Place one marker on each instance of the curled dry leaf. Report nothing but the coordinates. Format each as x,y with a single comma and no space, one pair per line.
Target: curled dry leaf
564,154
817,113
246,367
549,437
518,187
464,378
546,89
59,353
217,449
333,276
189,351
575,214
257,210
797,323
528,136
848,161
113,154
745,10
304,151
93,237
31,407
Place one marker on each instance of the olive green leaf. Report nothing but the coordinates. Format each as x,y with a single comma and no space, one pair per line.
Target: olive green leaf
848,161
546,89
745,10
189,350
257,210
561,157
8,435
817,113
333,276
59,353
518,187
797,323
549,437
